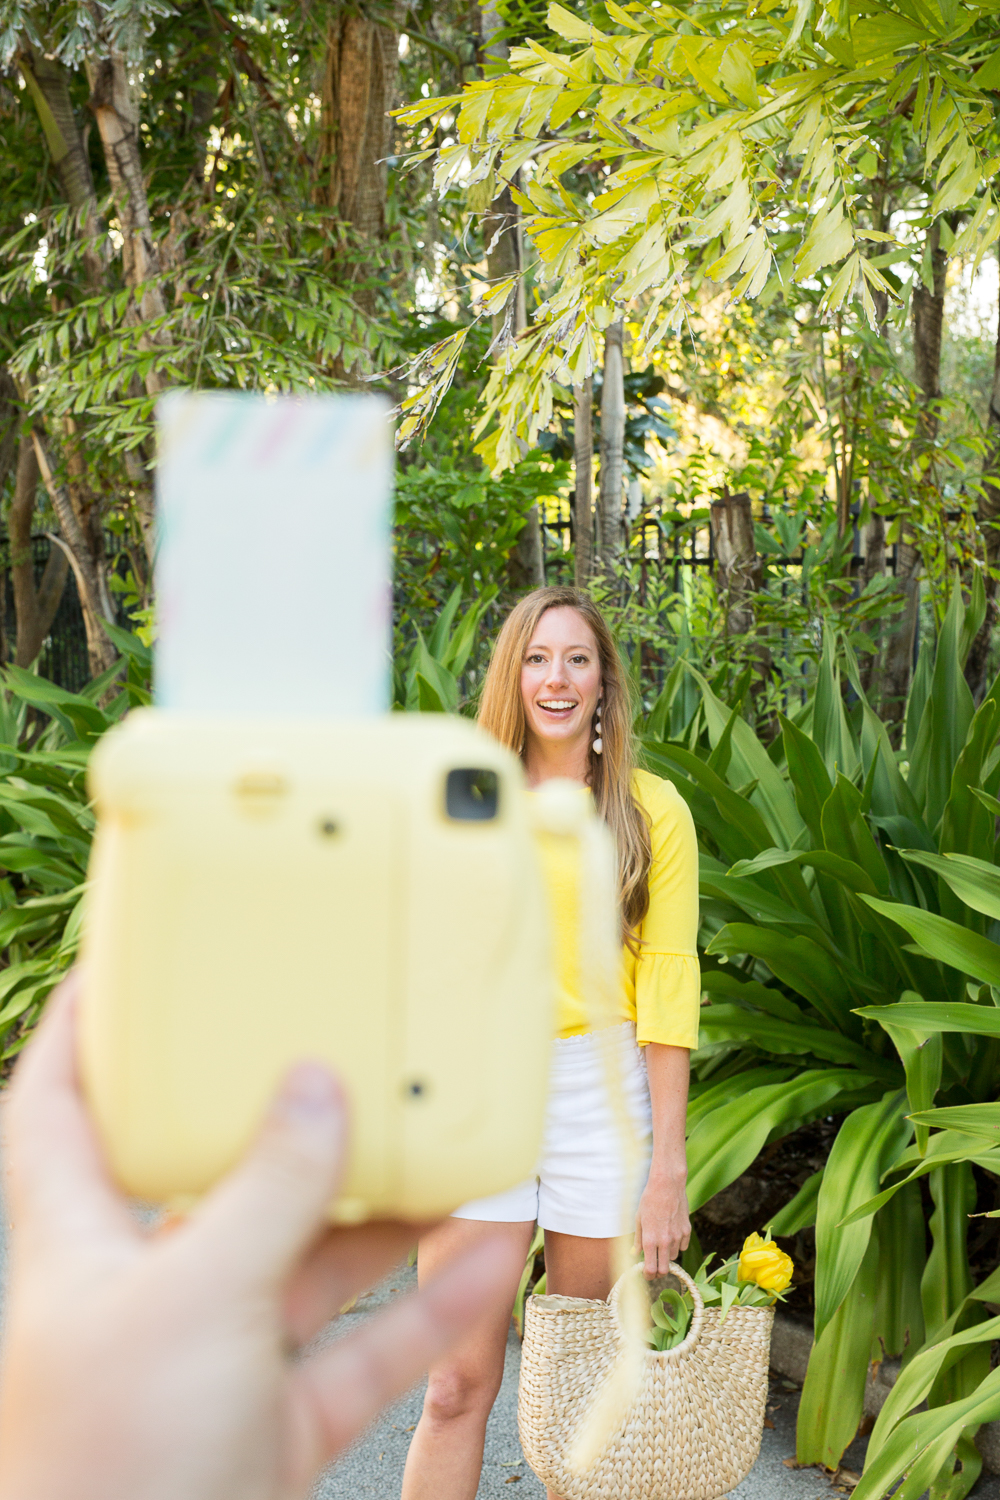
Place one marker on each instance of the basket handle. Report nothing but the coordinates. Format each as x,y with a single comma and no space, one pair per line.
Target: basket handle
697,1317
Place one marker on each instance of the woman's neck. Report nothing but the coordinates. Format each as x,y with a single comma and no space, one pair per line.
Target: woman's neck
545,760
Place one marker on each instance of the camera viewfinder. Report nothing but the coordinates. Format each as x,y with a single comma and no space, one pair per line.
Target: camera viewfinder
472,795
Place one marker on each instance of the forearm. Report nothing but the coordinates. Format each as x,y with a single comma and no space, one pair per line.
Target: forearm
668,1070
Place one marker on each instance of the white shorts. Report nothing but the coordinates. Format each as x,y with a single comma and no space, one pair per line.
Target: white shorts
579,1185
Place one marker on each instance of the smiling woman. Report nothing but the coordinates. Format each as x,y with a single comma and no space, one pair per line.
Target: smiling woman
552,630
560,690
556,694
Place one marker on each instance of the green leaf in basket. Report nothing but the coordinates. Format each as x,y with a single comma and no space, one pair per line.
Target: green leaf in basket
752,1295
660,1316
730,1294
671,1315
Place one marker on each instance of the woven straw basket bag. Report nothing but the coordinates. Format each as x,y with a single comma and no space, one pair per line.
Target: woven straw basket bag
693,1430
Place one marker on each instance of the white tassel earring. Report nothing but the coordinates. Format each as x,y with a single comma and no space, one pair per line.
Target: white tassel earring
598,745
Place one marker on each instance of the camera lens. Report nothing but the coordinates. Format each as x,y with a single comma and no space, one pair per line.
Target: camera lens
472,795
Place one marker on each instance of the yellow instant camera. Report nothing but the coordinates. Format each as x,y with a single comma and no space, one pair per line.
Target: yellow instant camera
367,893
322,879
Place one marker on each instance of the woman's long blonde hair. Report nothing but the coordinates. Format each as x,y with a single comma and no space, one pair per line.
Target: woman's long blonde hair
501,712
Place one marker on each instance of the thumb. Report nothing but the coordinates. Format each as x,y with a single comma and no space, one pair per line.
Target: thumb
256,1224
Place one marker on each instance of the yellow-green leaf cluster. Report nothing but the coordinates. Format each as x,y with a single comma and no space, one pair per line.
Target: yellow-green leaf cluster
742,146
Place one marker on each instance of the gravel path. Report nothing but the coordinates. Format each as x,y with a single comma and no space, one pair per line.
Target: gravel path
374,1466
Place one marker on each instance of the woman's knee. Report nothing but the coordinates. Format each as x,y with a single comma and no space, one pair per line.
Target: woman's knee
460,1392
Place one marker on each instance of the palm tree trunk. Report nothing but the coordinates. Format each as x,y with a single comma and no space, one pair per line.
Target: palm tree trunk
583,432
612,448
115,106
928,325
502,238
738,575
34,607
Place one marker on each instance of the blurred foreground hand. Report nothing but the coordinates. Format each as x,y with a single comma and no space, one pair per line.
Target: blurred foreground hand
162,1366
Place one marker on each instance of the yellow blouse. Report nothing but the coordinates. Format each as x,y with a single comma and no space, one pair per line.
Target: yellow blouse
661,984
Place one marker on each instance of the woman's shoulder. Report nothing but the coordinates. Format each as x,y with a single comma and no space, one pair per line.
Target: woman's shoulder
656,795
662,803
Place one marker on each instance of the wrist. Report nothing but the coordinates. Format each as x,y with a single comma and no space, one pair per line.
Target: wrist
668,1172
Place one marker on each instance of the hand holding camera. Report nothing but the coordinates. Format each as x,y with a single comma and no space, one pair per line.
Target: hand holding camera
149,1366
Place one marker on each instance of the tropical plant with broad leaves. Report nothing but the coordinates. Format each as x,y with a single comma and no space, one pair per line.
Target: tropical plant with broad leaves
846,892
427,679
46,823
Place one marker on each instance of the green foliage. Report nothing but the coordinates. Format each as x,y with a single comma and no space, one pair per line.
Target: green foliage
255,277
747,147
821,856
429,682
250,307
848,896
671,1311
833,1393
455,527
46,824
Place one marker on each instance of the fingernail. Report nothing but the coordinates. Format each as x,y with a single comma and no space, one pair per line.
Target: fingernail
309,1093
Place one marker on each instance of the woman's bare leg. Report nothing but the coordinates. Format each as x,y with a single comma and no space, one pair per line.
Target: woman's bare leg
578,1267
446,1453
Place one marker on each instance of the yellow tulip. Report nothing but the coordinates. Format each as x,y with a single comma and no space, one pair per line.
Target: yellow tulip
762,1262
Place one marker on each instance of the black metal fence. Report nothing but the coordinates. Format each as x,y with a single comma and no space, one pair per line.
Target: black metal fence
668,540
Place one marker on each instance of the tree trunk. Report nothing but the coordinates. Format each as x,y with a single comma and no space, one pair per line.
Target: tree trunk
928,326
989,513
115,106
48,83
526,564
928,323
502,241
502,222
612,448
34,606
899,649
874,567
91,583
583,434
359,87
738,571
9,412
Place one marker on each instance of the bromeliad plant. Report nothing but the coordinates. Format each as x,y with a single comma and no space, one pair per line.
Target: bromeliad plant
757,1277
834,939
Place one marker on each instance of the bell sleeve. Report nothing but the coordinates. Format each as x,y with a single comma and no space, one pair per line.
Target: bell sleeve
667,973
